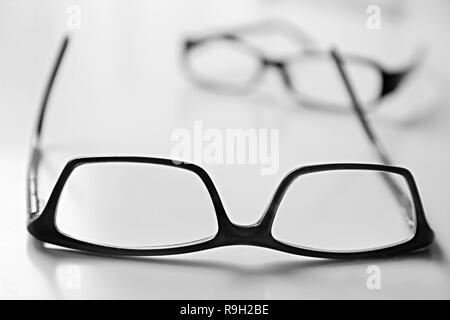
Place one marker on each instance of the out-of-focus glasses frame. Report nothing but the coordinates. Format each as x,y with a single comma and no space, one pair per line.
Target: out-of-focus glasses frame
390,80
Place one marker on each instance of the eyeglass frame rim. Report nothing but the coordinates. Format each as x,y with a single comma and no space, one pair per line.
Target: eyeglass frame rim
45,229
390,79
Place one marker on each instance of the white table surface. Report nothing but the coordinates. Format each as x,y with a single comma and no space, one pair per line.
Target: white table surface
120,91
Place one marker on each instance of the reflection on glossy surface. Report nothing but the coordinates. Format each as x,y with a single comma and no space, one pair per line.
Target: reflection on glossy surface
235,272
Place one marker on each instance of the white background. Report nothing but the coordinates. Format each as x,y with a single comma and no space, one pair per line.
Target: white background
121,91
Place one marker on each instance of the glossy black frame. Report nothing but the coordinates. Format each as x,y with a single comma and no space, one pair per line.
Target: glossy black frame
390,79
42,225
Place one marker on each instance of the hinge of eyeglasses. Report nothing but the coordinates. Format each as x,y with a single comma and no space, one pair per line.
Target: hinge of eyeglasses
35,207
35,204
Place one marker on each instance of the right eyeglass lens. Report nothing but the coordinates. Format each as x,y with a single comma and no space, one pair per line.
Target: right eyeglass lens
316,79
346,211
135,206
224,64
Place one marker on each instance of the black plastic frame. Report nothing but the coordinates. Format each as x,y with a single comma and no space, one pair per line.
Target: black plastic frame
259,234
42,225
390,79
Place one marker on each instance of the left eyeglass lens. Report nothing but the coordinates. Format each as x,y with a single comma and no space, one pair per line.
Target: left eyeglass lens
223,63
132,205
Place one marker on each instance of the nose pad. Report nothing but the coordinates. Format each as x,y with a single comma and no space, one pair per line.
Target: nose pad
285,76
281,68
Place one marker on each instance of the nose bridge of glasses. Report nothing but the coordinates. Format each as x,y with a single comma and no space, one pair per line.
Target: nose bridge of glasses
254,234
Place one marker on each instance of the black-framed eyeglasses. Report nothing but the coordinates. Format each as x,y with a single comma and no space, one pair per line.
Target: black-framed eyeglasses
228,62
148,224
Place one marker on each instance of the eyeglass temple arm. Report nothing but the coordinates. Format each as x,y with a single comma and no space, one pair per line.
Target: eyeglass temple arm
36,154
401,197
